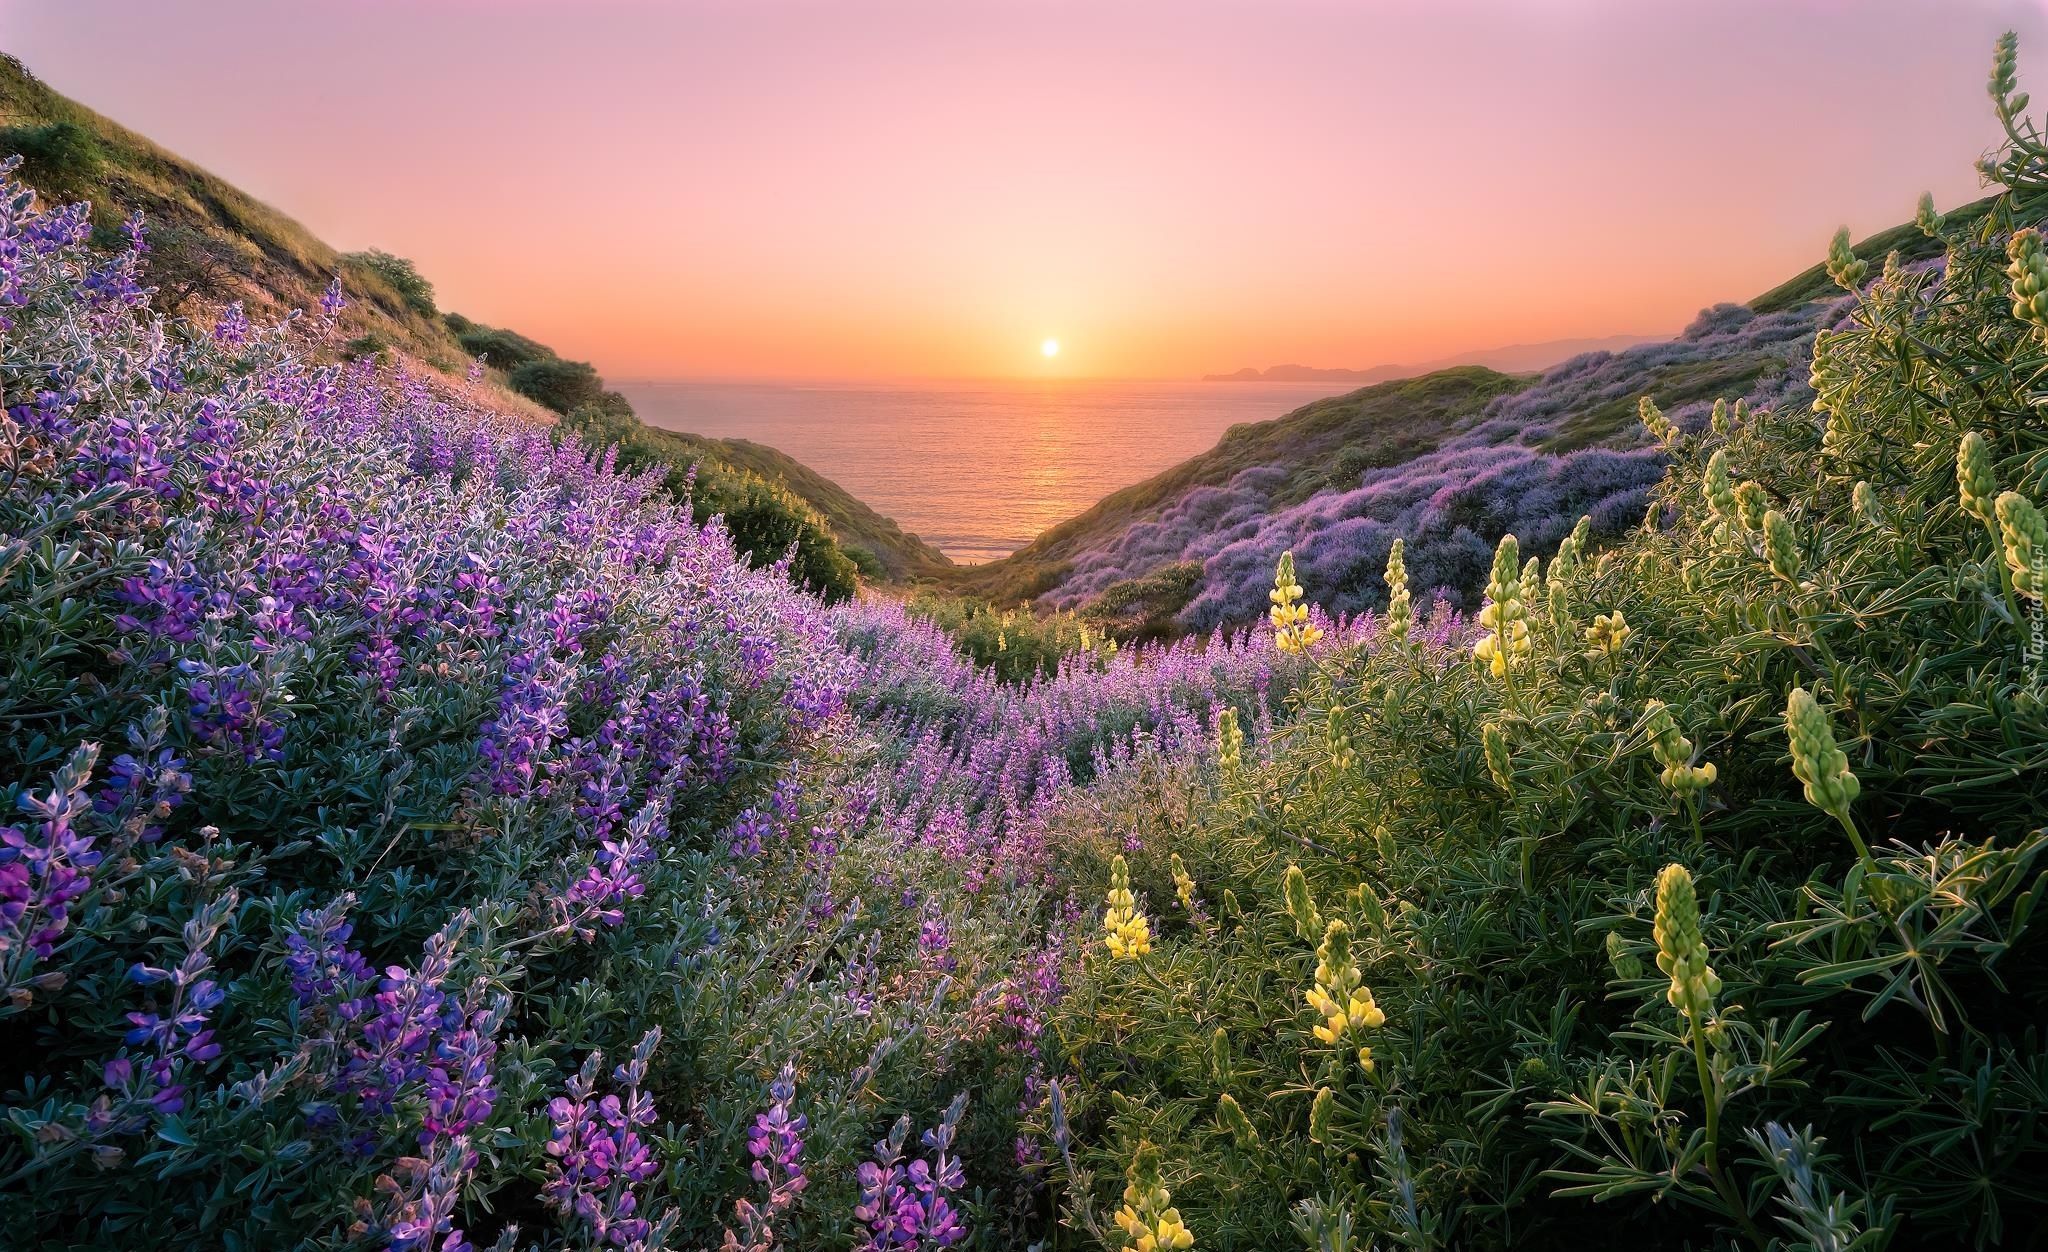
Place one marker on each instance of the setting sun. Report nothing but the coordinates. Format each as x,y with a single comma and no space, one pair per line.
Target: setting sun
1051,348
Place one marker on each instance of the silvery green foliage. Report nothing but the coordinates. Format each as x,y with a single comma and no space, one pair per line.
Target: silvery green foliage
1521,466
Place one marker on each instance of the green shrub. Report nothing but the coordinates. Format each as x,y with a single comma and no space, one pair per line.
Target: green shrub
563,386
1017,644
63,160
399,274
1705,890
767,521
500,349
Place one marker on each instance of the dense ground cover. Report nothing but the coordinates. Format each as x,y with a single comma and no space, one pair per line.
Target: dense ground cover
1696,907
377,764
422,834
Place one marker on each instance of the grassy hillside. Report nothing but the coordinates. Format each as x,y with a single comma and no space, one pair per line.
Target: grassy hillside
1449,462
210,241
211,244
1305,452
864,533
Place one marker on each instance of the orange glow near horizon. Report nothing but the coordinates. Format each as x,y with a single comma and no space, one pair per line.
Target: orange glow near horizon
921,189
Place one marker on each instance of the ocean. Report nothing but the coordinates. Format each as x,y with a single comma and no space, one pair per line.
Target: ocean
977,469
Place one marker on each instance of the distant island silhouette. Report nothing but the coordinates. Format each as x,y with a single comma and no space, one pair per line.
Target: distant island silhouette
1514,358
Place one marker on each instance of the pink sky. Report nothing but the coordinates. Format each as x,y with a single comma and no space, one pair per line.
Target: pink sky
677,188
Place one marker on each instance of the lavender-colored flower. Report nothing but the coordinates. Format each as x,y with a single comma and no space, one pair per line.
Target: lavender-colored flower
598,1157
46,865
910,1207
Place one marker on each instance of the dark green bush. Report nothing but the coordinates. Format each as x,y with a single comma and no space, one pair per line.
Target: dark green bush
399,274
501,349
60,159
563,386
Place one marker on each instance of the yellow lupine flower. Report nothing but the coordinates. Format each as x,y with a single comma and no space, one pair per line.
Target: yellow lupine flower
1292,631
1681,950
1183,884
1505,614
1127,934
1337,996
1609,633
1400,612
1145,1218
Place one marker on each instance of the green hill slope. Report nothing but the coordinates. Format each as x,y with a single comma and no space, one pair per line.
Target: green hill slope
212,243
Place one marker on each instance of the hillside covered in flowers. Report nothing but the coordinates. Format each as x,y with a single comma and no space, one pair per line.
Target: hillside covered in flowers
421,833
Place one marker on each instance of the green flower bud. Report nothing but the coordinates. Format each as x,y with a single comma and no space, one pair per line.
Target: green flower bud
1337,739
1976,480
2029,274
1400,613
1781,545
1829,379
1719,422
1719,490
1219,1054
1926,218
1751,504
1627,965
1230,1115
1308,923
1844,266
1655,421
1498,762
1681,949
2024,534
2004,71
1229,742
1320,1113
1674,752
1816,761
1864,499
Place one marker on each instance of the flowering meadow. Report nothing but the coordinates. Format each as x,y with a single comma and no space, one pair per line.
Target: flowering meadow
1531,462
421,834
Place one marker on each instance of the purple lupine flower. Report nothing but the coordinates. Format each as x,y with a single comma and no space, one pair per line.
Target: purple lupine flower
598,1155
749,833
318,959
777,1145
144,783
232,327
910,1207
46,864
401,1024
174,1033
614,874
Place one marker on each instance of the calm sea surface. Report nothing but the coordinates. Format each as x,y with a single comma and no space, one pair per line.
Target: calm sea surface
977,469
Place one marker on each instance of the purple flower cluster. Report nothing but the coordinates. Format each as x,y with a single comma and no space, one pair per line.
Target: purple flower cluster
173,1034
1528,463
46,865
910,1206
777,1146
598,1156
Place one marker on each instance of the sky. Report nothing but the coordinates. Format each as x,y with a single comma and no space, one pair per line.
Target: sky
933,188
